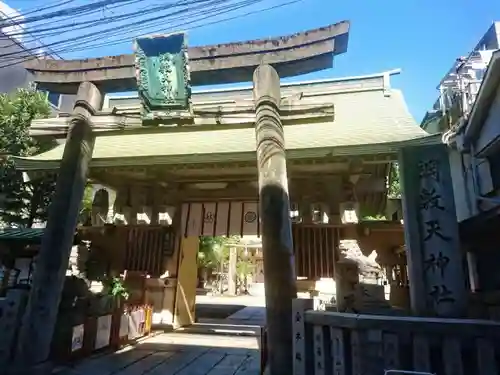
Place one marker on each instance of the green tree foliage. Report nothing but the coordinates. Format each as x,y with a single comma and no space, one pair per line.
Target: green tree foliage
394,182
213,252
213,256
394,190
22,202
86,209
244,268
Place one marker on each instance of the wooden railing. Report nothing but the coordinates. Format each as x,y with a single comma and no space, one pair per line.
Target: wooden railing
352,344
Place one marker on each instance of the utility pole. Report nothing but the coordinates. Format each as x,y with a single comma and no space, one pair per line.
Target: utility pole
277,246
35,337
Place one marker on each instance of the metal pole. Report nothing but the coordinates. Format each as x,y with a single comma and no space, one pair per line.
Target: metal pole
277,247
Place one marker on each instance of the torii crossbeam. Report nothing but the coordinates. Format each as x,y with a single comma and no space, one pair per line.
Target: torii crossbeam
290,55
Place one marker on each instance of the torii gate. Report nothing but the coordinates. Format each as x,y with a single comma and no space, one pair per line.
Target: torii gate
90,79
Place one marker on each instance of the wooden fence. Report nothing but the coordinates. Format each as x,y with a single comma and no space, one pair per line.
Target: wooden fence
147,247
11,311
103,333
315,253
350,344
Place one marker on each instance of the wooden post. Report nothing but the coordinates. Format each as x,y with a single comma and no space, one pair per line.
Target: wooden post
305,211
232,277
36,333
110,217
277,247
302,344
155,200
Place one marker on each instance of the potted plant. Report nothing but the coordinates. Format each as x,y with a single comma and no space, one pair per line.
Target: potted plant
116,291
115,288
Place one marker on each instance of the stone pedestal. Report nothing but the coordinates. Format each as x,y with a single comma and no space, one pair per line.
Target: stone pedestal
346,279
357,278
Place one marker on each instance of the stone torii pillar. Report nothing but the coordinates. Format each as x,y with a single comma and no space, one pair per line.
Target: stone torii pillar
35,337
277,246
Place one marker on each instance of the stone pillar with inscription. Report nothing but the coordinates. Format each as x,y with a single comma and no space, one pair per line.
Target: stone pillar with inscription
435,260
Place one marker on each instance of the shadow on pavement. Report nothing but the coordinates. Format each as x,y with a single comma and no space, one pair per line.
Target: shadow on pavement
177,354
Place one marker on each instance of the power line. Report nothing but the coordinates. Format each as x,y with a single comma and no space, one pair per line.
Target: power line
73,11
213,11
20,44
101,33
82,42
135,15
53,30
21,20
123,40
66,44
55,4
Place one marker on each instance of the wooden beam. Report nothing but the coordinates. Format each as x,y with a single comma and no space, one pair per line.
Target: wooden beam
243,186
291,55
329,166
105,122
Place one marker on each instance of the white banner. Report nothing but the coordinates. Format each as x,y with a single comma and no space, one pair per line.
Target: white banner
134,324
77,339
124,325
103,331
220,218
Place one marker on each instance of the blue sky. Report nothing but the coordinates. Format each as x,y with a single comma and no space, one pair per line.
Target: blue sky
422,37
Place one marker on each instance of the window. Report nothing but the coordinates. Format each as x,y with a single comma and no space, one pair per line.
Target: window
54,98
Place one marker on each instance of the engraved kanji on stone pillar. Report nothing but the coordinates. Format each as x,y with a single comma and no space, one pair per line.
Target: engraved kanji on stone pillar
435,260
299,307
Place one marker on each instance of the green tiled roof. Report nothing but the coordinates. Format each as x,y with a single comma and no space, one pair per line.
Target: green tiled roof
21,234
366,122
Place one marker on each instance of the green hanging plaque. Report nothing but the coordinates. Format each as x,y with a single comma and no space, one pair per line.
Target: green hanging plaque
162,73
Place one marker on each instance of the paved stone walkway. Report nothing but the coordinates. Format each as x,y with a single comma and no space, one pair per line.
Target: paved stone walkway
245,322
178,354
250,316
